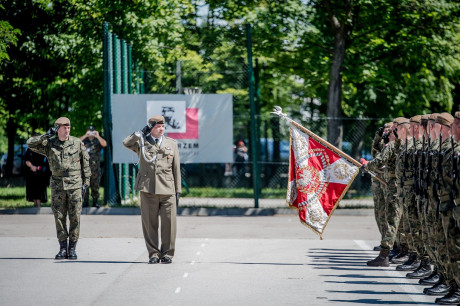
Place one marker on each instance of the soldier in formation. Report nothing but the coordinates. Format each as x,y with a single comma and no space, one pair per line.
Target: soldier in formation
420,212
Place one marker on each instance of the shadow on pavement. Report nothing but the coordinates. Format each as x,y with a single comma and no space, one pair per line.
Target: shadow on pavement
353,260
380,302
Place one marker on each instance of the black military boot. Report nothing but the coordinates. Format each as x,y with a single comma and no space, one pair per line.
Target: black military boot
85,203
424,270
377,248
95,203
431,280
381,260
411,264
394,251
402,257
62,250
452,298
439,289
72,247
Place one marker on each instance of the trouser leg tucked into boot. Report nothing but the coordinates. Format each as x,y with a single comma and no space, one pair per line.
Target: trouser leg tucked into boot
424,270
402,257
411,264
62,250
72,247
381,260
394,251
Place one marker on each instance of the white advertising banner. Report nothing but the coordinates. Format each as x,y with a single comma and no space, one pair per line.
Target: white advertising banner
201,124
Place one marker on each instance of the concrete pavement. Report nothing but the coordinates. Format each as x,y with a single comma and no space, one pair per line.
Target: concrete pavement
263,260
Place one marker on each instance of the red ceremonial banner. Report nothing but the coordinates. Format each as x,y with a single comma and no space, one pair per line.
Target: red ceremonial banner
318,179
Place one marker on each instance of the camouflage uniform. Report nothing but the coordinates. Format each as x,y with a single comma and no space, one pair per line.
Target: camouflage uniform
416,225
69,164
378,188
93,147
404,183
451,229
454,237
430,206
392,208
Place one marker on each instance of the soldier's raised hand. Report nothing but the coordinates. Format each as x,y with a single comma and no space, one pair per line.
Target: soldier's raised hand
146,130
52,131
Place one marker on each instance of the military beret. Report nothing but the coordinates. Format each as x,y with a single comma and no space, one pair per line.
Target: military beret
62,121
157,119
445,119
424,119
433,116
401,120
416,119
457,115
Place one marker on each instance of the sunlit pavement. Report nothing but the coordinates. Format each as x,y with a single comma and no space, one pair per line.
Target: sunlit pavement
240,260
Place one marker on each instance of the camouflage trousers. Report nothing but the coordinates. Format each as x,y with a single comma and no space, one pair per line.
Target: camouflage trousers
403,228
436,242
379,205
66,202
452,235
393,214
94,182
416,227
412,221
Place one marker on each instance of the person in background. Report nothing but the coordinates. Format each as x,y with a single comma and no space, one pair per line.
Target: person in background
37,177
94,144
241,158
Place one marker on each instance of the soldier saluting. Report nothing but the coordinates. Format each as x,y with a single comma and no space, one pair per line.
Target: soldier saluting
69,165
159,183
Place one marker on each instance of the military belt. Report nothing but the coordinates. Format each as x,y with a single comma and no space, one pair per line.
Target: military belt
444,198
66,173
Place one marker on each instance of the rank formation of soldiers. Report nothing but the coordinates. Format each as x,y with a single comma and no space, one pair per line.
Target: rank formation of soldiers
418,209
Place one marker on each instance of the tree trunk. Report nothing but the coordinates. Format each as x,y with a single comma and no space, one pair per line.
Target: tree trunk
342,30
334,95
11,134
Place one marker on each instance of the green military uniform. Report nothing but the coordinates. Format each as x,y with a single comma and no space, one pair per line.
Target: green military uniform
453,229
386,160
404,182
69,165
449,227
378,188
93,147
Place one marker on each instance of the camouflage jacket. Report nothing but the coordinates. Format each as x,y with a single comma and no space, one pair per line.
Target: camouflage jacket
385,160
68,160
403,171
93,147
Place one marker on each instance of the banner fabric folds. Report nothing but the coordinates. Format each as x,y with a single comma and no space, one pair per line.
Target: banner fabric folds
318,179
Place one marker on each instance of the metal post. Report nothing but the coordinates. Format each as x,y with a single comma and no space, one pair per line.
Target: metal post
255,167
124,90
110,193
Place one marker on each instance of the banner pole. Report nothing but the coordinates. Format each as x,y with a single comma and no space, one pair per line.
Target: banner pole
278,111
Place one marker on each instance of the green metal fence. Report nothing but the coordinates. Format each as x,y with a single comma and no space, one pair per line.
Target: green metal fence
263,176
